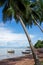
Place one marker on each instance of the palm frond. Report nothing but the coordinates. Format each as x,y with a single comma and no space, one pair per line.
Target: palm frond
2,2
23,8
7,14
36,15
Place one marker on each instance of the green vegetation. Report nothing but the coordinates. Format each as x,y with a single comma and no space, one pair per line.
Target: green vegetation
41,63
39,44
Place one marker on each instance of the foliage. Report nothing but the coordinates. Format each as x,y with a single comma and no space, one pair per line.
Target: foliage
39,44
23,8
41,63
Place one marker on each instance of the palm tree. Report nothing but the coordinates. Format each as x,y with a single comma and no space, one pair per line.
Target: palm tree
39,13
34,13
17,9
40,8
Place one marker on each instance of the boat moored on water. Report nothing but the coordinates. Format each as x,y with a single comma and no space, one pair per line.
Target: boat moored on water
11,51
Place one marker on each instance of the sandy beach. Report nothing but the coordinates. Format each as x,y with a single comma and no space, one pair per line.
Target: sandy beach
24,60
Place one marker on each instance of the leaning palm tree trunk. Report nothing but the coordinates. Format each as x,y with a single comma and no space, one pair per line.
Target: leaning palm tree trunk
36,59
37,23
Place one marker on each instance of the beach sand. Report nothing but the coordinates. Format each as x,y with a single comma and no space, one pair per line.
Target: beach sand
24,60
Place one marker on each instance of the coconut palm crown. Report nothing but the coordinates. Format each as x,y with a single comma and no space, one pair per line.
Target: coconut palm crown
24,8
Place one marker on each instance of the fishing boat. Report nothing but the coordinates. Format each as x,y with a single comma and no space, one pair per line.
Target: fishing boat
10,51
26,52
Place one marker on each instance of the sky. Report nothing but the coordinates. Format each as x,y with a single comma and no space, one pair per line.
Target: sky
12,34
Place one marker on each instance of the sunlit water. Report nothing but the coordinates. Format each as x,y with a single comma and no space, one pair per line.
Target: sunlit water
4,54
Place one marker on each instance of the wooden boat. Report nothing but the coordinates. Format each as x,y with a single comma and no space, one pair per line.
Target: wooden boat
26,52
11,51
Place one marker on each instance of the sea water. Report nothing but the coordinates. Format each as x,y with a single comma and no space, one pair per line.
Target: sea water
17,52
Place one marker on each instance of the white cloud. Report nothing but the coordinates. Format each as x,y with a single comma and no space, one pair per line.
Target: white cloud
8,36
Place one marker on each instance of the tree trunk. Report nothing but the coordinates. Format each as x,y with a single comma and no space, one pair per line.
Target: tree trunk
36,59
37,23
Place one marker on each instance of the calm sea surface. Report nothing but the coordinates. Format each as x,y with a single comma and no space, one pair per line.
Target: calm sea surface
18,52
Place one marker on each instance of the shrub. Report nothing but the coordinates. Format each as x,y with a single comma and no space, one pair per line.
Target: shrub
39,44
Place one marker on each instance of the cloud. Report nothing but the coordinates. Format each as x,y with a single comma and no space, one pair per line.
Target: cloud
7,37
40,38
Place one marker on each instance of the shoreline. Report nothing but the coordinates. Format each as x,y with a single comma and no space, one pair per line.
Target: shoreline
22,60
19,57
